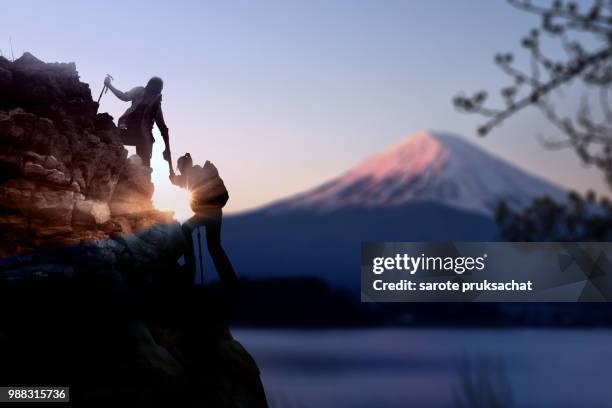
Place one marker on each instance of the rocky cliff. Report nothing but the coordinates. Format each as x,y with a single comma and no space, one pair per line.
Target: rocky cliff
65,178
67,185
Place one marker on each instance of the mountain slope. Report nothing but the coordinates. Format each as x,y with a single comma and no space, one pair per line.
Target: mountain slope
426,167
429,187
304,243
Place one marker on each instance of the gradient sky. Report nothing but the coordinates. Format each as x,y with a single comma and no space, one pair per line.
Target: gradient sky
284,95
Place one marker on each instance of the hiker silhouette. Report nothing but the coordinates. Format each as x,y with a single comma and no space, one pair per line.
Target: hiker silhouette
206,337
136,124
209,196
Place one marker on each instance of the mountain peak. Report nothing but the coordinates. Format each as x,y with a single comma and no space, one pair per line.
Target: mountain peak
430,139
412,154
427,166
419,140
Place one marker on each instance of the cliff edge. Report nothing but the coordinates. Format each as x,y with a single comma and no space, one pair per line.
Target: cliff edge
65,176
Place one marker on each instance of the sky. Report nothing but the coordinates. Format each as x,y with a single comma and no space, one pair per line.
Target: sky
284,95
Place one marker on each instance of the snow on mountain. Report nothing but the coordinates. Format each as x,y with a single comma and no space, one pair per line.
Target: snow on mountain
427,167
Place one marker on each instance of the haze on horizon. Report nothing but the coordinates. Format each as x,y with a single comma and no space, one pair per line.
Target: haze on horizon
283,96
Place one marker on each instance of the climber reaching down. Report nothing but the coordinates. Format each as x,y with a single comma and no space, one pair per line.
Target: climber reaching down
136,124
209,196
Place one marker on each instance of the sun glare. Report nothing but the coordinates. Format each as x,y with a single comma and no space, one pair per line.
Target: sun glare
173,199
168,197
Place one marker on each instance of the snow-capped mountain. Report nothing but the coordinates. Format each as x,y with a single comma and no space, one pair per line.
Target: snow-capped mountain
426,167
430,187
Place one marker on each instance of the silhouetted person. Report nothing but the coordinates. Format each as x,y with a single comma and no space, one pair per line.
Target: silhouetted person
231,377
136,124
209,195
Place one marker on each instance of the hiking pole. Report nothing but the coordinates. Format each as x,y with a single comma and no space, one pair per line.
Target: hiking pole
200,256
105,88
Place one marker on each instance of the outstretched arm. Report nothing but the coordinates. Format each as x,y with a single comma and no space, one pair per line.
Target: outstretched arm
178,180
119,94
163,129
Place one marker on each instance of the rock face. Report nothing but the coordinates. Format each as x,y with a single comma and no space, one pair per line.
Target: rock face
64,175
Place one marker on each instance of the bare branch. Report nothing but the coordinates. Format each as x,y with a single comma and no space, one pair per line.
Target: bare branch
588,135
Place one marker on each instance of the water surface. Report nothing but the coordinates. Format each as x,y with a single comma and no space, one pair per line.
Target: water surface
423,367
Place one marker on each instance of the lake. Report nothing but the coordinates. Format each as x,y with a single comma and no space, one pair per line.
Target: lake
427,367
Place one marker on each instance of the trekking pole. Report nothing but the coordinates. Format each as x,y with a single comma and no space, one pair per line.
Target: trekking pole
100,97
200,255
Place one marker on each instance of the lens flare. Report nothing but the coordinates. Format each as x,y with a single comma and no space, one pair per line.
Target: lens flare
173,198
168,197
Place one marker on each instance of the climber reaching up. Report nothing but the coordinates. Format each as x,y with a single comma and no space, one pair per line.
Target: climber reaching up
209,196
136,124
211,344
